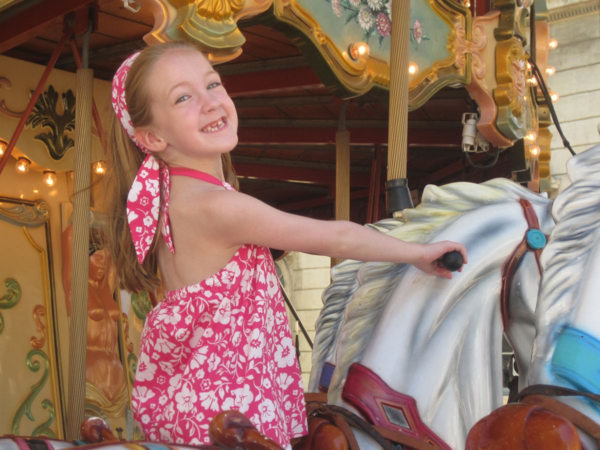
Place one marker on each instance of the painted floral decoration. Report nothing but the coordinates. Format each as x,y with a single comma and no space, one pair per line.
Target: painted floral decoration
416,33
373,16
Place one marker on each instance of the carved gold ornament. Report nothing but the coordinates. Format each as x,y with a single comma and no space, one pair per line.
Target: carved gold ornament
513,96
210,24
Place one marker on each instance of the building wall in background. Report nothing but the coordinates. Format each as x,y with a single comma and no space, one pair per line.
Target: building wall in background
575,24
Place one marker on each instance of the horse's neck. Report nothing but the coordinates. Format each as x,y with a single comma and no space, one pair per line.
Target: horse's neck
437,340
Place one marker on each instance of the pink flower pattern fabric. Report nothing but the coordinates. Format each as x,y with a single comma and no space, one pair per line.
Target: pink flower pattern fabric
221,344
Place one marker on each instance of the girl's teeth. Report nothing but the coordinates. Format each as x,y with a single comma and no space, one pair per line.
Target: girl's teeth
220,124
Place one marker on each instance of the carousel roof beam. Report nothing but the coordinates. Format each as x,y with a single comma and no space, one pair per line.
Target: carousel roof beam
33,21
105,53
294,163
450,152
332,123
297,174
309,123
450,169
360,149
260,66
273,80
282,101
316,202
366,136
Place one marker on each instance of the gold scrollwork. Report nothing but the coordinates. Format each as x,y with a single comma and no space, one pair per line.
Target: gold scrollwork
10,299
475,47
26,214
513,96
38,313
513,19
5,83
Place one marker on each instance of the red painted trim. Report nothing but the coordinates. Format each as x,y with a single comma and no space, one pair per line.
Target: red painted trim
368,393
33,100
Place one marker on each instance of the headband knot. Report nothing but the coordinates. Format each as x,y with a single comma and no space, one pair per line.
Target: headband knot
144,198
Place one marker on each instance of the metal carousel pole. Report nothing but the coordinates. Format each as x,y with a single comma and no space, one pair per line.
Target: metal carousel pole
80,251
398,194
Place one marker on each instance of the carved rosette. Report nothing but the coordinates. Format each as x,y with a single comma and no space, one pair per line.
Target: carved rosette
516,108
210,24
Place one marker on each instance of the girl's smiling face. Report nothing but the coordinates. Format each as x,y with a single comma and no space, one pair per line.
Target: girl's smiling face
193,118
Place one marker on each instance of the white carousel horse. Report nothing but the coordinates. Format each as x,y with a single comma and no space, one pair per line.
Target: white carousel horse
438,341
566,349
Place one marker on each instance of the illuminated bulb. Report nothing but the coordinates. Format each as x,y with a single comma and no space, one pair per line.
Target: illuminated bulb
22,165
413,68
534,151
3,146
358,49
529,66
99,167
532,81
466,3
49,178
550,70
553,44
531,136
554,96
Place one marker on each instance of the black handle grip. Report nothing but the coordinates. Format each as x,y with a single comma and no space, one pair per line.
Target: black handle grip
452,261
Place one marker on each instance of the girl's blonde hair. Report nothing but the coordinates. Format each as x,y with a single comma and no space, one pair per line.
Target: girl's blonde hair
124,161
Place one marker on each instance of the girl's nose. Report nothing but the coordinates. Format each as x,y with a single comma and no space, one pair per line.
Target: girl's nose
209,102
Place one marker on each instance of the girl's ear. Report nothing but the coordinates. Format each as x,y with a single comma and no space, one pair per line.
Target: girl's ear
150,139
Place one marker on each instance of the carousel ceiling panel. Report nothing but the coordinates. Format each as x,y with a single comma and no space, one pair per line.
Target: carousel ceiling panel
261,113
116,8
121,27
307,112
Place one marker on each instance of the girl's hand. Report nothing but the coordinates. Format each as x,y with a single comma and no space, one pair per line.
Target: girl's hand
431,258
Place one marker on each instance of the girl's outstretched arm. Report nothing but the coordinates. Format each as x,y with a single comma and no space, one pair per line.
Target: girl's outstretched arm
236,219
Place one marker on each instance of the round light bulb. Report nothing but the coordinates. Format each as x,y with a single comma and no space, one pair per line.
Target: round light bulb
49,178
534,151
466,3
3,147
553,43
22,165
358,49
99,167
550,70
413,68
529,65
531,136
532,81
554,96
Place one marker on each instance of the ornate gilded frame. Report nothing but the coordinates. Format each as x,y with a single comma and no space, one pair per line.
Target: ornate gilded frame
28,214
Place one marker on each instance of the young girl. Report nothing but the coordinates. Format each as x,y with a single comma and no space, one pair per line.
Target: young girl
224,342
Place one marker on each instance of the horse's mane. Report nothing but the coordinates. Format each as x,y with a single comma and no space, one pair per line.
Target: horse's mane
577,214
359,291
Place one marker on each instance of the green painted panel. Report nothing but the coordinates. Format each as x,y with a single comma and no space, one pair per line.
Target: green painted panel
428,35
350,21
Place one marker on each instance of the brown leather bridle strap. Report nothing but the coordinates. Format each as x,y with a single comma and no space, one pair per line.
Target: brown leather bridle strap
577,418
554,391
511,265
344,419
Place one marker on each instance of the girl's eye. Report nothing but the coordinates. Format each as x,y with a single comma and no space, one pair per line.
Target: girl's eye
182,98
214,85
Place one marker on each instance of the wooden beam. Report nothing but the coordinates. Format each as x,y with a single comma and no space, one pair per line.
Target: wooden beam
275,162
360,136
450,169
33,21
305,204
298,174
287,79
104,53
260,66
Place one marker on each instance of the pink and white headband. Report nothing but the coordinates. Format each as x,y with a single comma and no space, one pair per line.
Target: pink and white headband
144,199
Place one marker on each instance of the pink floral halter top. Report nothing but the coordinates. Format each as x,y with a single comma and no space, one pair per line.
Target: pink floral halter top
220,344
